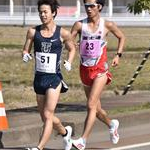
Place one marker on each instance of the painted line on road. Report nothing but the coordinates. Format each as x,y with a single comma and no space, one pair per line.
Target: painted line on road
131,146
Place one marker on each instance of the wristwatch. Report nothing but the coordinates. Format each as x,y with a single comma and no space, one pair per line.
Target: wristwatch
119,54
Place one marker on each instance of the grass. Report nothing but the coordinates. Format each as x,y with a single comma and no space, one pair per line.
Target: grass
137,38
128,110
17,77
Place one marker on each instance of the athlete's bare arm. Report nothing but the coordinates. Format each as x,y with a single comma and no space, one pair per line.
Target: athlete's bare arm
29,40
112,27
69,44
76,29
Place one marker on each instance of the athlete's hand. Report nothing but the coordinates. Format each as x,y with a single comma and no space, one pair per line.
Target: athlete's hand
115,61
67,65
26,56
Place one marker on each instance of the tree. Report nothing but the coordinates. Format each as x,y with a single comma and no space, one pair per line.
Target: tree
138,5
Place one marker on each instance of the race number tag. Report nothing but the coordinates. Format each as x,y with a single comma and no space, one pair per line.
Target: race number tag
46,62
90,48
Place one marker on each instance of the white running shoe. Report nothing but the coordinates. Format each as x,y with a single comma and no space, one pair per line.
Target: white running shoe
67,138
79,144
32,148
114,136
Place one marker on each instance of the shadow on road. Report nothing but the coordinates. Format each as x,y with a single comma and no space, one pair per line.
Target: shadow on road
60,108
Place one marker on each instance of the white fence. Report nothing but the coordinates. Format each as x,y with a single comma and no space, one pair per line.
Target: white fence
68,15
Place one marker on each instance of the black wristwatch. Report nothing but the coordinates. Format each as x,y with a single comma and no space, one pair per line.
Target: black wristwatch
119,54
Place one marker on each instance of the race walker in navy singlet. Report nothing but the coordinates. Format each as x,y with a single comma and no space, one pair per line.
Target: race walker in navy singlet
49,40
47,57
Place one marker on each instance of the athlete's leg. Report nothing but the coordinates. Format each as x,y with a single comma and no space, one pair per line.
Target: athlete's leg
56,121
52,96
92,104
66,132
57,125
101,113
41,102
93,94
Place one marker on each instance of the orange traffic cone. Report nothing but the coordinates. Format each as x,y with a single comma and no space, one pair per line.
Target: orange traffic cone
3,118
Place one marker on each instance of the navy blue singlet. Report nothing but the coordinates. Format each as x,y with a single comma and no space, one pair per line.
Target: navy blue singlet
48,45
44,46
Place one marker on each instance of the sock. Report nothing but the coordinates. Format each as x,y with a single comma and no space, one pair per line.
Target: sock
111,124
65,134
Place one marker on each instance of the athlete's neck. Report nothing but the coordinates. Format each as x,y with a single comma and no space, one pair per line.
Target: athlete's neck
48,30
93,23
94,19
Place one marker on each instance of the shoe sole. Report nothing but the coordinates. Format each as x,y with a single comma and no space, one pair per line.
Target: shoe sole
76,147
117,126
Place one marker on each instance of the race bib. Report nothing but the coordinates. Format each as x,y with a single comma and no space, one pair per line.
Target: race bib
90,48
46,62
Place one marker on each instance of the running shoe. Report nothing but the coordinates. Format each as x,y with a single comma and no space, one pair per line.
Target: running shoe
114,136
79,144
32,148
67,138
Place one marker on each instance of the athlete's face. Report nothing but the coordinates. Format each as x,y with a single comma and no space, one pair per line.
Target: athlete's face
45,14
92,8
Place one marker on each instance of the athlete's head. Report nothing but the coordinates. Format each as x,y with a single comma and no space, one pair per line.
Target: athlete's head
90,2
54,5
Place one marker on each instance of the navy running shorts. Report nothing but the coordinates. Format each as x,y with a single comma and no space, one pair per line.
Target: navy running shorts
42,82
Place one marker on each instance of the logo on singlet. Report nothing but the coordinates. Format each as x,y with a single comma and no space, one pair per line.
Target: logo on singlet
53,40
46,47
98,37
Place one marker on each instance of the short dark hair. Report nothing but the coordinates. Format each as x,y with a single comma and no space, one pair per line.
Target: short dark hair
52,3
101,2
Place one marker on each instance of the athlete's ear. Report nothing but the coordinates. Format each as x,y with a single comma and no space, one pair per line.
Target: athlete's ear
100,7
54,14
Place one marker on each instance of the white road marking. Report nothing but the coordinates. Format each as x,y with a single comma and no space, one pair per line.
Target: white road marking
130,146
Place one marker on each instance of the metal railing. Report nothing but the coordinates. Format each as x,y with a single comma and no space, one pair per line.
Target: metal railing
28,15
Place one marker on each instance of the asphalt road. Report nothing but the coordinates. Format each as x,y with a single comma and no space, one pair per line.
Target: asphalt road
131,138
134,127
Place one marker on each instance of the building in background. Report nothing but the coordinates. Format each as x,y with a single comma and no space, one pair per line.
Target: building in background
67,6
71,10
